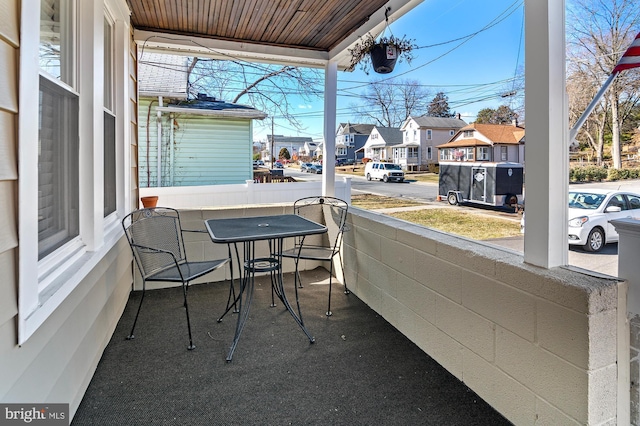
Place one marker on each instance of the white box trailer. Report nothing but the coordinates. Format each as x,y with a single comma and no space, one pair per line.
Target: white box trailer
489,183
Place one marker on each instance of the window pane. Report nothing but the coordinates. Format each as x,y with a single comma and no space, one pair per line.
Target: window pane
108,92
109,164
56,39
57,167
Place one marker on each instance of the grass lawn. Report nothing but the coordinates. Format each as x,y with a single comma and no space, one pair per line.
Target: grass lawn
467,224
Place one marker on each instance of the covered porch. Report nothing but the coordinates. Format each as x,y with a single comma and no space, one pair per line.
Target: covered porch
538,342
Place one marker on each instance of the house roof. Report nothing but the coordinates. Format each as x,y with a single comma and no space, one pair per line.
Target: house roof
280,31
391,135
359,129
497,133
162,74
439,122
210,107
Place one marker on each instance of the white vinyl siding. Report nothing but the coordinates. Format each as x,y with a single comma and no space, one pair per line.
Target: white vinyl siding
206,150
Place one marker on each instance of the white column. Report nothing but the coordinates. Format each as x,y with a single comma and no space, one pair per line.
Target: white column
329,148
547,134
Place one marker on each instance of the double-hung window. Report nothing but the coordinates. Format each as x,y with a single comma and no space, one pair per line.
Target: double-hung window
483,153
58,129
109,145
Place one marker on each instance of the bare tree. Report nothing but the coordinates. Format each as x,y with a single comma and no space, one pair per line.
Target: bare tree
599,33
581,89
268,88
388,103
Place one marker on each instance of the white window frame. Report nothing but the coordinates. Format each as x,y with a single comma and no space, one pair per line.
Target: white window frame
429,153
483,153
504,153
44,285
341,150
429,134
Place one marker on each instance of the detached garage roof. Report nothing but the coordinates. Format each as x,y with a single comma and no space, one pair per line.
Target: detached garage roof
213,108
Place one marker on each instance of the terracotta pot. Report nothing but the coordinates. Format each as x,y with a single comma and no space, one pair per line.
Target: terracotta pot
382,61
149,202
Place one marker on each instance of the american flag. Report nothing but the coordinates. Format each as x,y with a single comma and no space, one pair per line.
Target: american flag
631,57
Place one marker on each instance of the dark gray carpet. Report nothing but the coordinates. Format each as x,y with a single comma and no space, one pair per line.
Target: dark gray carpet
360,371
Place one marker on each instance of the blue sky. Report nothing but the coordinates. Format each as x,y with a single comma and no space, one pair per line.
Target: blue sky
472,71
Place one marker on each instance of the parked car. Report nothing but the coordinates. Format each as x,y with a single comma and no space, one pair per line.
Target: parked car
590,213
384,171
315,168
278,165
304,167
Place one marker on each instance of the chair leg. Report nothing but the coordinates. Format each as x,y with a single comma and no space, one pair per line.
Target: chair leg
329,313
186,309
344,277
232,288
131,335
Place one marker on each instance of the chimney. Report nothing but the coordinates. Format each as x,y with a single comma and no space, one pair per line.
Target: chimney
458,116
514,122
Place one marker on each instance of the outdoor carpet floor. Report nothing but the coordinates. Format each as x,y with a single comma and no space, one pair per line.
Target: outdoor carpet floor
359,371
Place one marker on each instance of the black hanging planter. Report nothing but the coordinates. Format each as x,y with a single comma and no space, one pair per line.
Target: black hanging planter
383,58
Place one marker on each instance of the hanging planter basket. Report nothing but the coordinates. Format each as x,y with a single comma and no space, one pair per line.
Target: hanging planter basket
149,202
383,58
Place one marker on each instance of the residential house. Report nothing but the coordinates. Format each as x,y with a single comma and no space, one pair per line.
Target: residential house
308,150
421,136
350,138
382,142
535,340
189,142
485,142
293,144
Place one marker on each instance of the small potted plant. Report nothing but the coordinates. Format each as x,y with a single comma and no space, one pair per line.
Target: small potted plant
381,54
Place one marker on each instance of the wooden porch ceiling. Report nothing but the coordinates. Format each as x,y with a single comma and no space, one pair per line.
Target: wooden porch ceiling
317,29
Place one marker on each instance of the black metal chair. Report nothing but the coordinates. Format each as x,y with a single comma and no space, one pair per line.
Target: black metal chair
156,239
331,212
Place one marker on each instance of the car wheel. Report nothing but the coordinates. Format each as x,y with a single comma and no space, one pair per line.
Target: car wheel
368,176
595,241
385,178
452,199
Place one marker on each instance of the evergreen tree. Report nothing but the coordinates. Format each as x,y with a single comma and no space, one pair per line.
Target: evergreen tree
439,106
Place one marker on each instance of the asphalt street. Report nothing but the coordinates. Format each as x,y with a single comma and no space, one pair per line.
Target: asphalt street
604,262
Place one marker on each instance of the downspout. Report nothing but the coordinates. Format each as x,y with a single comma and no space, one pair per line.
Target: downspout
171,142
159,162
149,143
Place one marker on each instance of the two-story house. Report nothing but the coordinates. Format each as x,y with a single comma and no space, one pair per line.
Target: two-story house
420,137
381,143
350,138
485,142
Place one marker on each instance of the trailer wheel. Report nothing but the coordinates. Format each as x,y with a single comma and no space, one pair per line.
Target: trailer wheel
511,200
452,198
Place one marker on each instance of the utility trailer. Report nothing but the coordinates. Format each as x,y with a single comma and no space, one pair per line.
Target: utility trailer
488,183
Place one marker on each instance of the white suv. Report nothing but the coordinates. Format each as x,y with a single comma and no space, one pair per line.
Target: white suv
384,171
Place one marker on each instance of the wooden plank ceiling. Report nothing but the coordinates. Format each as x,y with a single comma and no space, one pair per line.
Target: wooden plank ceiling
301,24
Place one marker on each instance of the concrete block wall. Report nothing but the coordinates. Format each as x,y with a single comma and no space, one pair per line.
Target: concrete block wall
537,344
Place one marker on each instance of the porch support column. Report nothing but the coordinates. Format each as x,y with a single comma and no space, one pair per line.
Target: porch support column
547,135
329,146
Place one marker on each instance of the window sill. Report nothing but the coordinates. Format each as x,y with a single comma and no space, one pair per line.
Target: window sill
63,280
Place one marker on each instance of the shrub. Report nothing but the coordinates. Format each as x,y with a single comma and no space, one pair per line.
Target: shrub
365,160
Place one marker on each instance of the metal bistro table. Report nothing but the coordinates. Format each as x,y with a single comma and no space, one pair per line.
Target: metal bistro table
249,230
